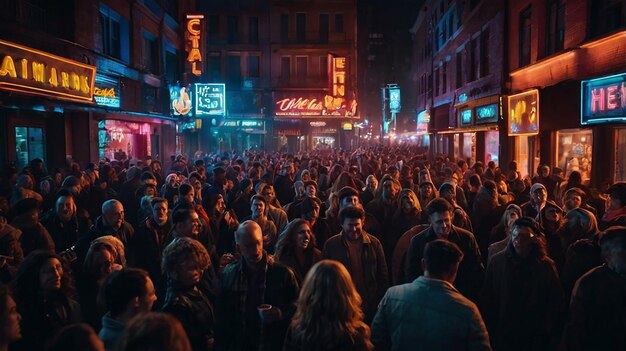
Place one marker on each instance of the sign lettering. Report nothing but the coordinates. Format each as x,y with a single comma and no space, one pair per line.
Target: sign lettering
193,35
604,99
30,71
210,99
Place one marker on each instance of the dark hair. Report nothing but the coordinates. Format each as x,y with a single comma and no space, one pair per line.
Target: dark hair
440,256
5,293
181,215
26,286
64,193
260,198
351,212
74,337
474,180
310,182
154,332
184,189
529,223
157,200
438,205
612,237
121,287
618,191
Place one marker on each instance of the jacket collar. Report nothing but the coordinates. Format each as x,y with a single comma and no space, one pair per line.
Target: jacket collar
434,283
366,237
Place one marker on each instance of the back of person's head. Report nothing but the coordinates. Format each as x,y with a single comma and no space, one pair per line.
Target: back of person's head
76,337
154,332
184,189
180,215
613,239
441,257
122,287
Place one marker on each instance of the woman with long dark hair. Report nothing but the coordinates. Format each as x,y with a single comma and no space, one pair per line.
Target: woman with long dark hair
9,319
296,248
44,293
328,315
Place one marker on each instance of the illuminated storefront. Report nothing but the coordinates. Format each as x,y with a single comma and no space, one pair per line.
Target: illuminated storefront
523,125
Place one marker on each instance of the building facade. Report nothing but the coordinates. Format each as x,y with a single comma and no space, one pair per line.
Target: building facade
90,81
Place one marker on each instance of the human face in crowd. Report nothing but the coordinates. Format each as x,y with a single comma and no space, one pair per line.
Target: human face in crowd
448,194
352,200
196,184
159,212
50,274
150,191
441,222
306,176
614,203
303,236
269,193
315,213
114,216
390,190
572,201
310,191
522,238
371,183
105,262
540,196
190,197
352,228
257,208
146,301
65,208
427,190
10,322
220,206
191,226
407,202
552,214
188,273
513,216
156,167
251,244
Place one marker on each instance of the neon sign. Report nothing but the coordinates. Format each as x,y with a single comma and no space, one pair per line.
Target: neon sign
466,116
603,99
487,112
394,99
210,99
106,92
524,113
181,100
31,71
293,104
193,35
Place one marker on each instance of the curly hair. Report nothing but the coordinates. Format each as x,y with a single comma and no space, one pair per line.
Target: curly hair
286,240
180,250
329,309
26,286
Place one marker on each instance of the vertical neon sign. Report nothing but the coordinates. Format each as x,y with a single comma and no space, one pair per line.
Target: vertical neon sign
193,36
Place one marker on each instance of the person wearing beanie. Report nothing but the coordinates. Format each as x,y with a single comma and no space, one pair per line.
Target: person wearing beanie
522,298
538,199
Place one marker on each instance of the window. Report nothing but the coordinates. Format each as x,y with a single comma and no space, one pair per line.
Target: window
302,69
606,16
301,27
214,26
253,66
444,78
324,28
339,23
233,29
253,30
215,67
233,67
524,37
115,34
555,28
459,69
324,67
29,144
473,64
436,74
620,155
574,150
484,53
284,27
171,64
150,53
285,68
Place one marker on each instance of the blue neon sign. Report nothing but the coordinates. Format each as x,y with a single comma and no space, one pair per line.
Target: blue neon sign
210,99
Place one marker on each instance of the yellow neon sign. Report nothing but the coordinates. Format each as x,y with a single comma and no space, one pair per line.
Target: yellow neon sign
31,71
194,36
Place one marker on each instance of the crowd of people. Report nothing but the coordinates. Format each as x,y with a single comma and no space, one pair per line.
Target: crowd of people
377,248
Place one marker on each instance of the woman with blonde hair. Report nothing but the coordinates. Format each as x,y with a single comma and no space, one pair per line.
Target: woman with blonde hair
328,315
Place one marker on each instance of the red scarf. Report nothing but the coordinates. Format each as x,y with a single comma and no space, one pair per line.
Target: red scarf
615,214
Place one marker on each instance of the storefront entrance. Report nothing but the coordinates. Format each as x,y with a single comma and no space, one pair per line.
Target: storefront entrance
120,140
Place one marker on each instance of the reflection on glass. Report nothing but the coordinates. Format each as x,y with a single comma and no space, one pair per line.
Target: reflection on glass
574,151
29,145
469,147
492,143
522,155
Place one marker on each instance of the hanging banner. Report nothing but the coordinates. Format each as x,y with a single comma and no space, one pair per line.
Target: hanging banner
524,113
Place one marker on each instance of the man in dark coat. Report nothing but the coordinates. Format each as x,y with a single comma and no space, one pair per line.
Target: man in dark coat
471,270
62,223
283,184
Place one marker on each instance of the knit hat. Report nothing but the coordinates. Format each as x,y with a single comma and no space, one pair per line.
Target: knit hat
308,204
536,187
346,191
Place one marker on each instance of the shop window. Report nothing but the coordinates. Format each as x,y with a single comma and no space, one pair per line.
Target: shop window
468,152
29,144
119,140
492,147
620,155
574,152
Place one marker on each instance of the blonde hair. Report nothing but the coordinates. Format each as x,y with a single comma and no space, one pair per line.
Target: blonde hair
329,309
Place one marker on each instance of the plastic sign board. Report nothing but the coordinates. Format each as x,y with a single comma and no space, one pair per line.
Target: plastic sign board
210,99
194,43
106,92
180,98
603,100
30,71
524,113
